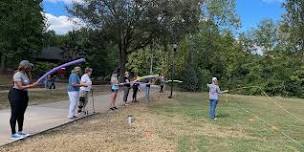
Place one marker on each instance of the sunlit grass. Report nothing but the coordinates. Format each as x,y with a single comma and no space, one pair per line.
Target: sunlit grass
245,123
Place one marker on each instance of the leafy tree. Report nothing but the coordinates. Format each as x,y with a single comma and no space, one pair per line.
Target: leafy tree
100,53
140,61
133,24
294,20
221,13
266,35
190,79
22,34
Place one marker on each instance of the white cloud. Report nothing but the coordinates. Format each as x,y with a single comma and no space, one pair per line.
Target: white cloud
65,1
62,24
273,1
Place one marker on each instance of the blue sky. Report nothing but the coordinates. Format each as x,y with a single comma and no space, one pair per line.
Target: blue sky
253,11
250,11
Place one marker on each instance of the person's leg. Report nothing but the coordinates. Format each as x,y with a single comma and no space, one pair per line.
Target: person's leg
135,95
126,94
149,94
210,109
128,91
23,105
13,119
86,97
74,98
161,88
114,99
213,106
81,103
70,115
13,99
146,94
49,85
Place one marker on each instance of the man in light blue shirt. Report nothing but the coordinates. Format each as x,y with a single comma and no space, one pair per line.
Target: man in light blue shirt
73,91
73,81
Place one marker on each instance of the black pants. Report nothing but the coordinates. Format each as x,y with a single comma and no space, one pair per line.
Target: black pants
161,88
18,100
135,94
126,94
52,86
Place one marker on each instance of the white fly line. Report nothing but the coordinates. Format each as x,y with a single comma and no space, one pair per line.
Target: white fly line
272,100
270,126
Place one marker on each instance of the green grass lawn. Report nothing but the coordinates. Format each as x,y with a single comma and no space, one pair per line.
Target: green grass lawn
245,124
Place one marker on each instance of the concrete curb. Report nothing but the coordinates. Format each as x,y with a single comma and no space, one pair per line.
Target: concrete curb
44,131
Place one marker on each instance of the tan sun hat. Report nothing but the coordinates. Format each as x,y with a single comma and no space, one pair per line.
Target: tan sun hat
26,63
76,69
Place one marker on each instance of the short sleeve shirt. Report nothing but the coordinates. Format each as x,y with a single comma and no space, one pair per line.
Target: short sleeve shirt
135,85
85,79
73,79
214,91
114,82
20,77
127,82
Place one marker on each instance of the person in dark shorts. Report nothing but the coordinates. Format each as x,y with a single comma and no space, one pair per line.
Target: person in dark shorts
162,83
127,87
18,98
135,87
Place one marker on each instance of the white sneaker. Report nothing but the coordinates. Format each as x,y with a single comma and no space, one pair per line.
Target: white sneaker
22,134
16,136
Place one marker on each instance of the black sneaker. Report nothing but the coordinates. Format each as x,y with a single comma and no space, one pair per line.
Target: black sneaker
115,108
112,109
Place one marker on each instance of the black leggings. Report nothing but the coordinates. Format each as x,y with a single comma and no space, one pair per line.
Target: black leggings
18,100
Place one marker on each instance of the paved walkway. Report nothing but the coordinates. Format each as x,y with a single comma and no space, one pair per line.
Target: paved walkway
42,117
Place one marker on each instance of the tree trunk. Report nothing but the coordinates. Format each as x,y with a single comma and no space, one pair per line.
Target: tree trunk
151,60
123,61
2,66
